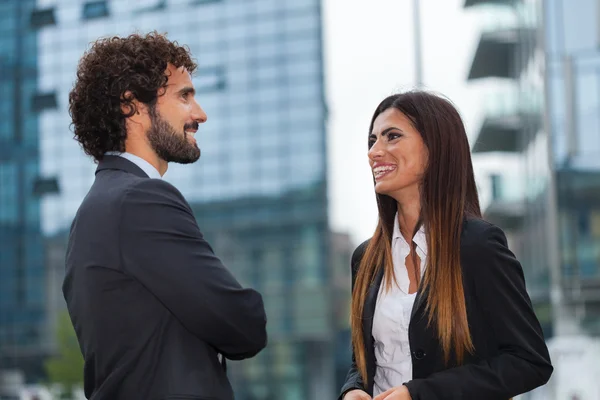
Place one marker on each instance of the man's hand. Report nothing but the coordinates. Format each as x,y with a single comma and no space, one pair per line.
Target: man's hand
395,393
357,395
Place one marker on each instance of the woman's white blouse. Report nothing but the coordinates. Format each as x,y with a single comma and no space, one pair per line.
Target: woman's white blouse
392,316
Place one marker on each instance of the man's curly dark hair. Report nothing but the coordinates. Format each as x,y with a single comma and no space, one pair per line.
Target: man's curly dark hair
109,69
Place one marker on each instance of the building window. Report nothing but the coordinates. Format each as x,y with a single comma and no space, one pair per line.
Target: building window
151,5
211,79
496,188
44,101
45,186
95,9
41,18
196,2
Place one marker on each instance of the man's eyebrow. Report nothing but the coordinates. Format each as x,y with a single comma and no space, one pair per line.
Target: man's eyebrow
187,90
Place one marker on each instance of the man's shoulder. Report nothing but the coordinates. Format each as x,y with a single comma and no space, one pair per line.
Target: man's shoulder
135,190
152,186
124,189
154,199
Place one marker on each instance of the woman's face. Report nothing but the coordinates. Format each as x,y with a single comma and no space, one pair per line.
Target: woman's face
397,155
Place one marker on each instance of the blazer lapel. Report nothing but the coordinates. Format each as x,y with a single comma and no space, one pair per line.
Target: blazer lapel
368,314
419,302
370,302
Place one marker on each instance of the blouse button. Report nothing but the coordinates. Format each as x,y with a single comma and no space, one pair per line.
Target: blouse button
419,354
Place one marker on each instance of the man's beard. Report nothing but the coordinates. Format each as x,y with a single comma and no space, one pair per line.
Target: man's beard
168,144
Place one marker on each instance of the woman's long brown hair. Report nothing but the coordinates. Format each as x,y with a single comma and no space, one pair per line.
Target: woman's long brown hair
448,195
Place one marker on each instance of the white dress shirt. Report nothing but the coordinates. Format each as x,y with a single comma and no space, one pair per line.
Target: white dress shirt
392,316
140,162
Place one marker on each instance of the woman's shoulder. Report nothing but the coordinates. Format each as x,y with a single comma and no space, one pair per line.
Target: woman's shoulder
482,239
476,231
359,252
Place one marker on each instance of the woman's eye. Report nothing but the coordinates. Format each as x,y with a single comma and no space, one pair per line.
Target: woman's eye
372,141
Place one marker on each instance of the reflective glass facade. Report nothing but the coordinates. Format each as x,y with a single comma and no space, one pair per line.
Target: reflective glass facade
259,81
534,236
510,57
554,134
22,285
573,66
259,189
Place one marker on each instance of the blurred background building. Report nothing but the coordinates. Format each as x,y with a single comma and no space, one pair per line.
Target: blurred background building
572,35
260,189
22,267
543,61
509,57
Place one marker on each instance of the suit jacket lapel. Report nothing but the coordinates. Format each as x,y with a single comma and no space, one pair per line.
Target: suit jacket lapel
370,302
419,302
368,314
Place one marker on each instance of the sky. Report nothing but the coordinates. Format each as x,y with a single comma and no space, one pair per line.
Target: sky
369,54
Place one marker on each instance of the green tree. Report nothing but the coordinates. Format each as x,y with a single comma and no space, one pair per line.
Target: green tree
66,367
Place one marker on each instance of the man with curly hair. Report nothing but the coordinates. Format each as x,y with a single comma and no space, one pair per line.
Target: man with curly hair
155,311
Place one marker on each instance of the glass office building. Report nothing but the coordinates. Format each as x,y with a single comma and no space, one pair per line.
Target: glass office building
259,80
259,190
509,57
572,32
551,60
22,286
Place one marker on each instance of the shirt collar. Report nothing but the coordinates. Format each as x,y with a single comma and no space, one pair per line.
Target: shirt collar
420,238
140,162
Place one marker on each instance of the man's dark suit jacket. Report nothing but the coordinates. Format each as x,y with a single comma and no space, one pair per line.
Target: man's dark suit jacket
510,356
151,304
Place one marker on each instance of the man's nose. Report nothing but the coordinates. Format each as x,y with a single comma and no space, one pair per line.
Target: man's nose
198,114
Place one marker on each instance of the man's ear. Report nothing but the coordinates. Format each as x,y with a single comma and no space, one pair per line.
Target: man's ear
130,106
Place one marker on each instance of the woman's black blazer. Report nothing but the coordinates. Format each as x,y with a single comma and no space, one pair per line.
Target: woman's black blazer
510,355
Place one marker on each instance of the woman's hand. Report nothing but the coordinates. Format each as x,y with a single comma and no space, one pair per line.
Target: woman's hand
395,393
357,395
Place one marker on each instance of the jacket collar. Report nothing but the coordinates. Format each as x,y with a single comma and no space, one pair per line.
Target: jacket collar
120,163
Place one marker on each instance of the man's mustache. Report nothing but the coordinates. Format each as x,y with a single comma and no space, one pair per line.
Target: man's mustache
191,125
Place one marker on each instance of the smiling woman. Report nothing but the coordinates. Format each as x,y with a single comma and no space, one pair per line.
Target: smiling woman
439,306
397,154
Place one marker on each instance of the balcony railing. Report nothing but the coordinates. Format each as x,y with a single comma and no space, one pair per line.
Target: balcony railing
506,207
495,17
511,101
509,118
506,188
